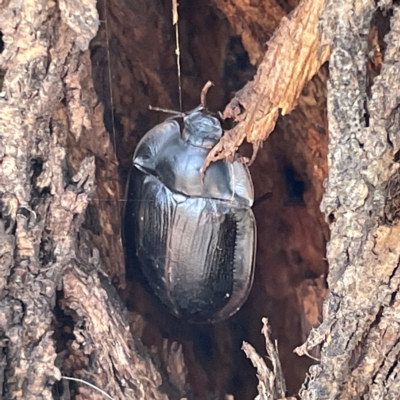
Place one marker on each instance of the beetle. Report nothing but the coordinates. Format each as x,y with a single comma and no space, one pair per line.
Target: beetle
194,236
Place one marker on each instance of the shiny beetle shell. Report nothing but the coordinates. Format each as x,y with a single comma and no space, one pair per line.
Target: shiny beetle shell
194,238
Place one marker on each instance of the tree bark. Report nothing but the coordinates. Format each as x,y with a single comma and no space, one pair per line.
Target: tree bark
75,84
59,313
360,332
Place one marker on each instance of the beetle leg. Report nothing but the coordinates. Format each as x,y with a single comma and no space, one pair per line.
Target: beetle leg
256,146
262,198
242,159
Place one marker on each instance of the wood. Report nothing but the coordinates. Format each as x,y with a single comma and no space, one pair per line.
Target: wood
59,313
66,307
359,334
293,57
272,383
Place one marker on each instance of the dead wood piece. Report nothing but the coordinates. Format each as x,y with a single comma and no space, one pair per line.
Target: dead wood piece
172,356
272,384
315,338
294,55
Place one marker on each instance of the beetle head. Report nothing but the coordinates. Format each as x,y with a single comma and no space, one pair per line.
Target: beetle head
201,129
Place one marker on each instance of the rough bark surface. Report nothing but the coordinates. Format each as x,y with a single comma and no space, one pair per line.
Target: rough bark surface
60,242
58,313
360,332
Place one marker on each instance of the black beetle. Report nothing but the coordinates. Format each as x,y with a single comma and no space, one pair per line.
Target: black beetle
194,238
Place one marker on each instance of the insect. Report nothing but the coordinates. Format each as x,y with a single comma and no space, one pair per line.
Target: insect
194,238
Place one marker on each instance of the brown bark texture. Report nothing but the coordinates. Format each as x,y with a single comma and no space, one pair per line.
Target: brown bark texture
59,312
360,331
76,80
60,205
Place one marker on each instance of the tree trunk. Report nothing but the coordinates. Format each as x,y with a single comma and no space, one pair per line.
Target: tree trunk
76,80
59,314
360,332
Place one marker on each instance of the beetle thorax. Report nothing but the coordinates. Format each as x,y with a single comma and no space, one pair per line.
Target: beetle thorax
201,130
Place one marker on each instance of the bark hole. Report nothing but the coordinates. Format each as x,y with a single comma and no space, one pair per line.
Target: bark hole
295,186
63,328
289,283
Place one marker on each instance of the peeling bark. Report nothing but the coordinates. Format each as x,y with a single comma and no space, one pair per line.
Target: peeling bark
294,55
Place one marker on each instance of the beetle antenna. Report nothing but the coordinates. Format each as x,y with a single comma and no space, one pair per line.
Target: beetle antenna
204,92
166,110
